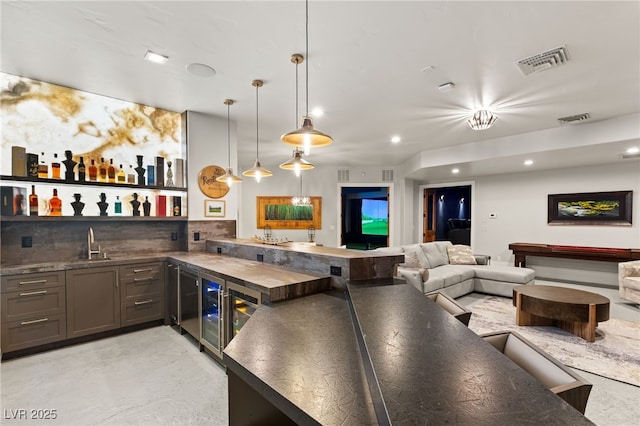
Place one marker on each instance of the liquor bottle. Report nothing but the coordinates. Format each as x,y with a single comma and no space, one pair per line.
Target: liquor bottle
33,202
121,177
55,167
151,175
93,171
131,176
82,170
117,206
102,171
55,204
43,169
111,172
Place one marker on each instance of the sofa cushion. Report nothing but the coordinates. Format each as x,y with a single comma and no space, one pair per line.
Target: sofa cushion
508,274
390,250
451,274
410,260
434,254
461,255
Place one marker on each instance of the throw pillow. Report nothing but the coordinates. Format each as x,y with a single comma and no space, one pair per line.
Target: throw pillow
461,255
411,260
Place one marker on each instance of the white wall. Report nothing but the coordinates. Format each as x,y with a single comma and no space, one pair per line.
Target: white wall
207,136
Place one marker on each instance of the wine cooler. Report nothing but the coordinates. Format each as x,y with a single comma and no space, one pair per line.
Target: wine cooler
243,302
212,313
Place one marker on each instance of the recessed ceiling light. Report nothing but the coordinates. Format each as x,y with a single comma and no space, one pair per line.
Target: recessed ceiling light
155,57
633,150
317,112
395,139
201,70
454,171
528,162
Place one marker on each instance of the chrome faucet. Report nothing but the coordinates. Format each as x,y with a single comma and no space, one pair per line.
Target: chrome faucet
90,242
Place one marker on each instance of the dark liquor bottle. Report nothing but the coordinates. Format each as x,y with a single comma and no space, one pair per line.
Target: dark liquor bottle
93,171
82,170
55,167
55,204
103,171
33,202
111,172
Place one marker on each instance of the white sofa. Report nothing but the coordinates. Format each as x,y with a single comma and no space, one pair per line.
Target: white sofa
440,266
629,280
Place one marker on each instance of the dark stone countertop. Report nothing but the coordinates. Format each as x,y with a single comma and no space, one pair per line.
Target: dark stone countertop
428,368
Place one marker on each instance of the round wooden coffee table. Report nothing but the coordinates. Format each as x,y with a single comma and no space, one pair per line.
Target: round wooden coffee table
576,311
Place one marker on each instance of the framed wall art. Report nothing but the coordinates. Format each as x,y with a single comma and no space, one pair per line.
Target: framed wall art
214,208
280,213
590,208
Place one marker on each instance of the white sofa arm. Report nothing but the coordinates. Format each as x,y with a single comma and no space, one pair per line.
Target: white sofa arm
414,276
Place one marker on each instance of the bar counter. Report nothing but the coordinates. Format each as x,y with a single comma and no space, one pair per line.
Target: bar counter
377,354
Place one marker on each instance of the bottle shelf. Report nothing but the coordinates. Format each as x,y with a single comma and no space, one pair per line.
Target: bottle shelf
35,180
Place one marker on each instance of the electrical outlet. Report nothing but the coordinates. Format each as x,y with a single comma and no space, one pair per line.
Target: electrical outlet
260,257
27,242
336,270
174,236
196,236
219,250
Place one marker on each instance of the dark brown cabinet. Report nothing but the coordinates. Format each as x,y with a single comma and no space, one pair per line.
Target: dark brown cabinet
142,293
32,310
93,301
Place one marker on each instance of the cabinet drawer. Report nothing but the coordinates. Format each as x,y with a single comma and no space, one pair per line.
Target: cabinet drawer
31,281
139,287
142,310
20,305
142,270
33,332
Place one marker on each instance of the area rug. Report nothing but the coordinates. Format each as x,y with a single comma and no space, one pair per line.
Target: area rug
615,354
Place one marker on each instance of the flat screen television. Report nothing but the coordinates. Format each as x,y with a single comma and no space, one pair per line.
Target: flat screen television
375,217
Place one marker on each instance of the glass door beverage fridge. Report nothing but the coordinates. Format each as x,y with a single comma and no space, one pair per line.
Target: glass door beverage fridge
212,313
243,302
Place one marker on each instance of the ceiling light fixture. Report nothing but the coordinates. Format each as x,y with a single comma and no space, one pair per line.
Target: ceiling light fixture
228,177
257,171
528,162
306,136
633,150
455,171
481,119
395,139
301,200
297,163
155,57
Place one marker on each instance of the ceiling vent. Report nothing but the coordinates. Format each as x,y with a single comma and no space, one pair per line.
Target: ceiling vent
543,61
343,175
578,118
630,156
387,175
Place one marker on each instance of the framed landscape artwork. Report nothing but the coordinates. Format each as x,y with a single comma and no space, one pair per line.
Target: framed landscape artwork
279,213
214,208
590,208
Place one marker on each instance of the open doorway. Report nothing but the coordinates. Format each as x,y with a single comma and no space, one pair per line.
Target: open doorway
364,217
447,214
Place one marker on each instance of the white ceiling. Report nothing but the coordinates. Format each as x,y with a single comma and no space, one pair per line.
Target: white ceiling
374,68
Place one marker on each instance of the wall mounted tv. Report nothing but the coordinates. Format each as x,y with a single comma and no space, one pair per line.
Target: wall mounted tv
375,217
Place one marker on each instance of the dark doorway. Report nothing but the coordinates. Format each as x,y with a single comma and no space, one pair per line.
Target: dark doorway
364,217
447,211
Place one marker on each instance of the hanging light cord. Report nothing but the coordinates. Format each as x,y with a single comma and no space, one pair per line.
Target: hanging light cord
228,137
296,117
307,52
257,121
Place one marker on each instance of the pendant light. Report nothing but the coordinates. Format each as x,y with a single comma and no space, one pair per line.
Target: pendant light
257,171
228,177
306,136
481,119
297,163
301,200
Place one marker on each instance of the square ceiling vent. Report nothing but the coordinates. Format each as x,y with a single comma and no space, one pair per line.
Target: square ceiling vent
543,61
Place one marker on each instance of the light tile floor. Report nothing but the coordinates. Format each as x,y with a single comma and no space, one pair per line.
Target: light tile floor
158,377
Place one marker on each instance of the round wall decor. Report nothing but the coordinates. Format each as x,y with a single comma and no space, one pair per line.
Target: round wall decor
209,185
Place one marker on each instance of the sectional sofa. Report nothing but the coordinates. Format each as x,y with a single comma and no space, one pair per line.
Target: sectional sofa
441,266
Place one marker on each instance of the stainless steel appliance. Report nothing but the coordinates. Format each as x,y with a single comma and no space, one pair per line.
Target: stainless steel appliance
172,296
243,302
212,313
188,302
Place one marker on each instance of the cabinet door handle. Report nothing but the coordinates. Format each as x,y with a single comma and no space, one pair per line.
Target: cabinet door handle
137,271
137,280
33,293
34,321
144,302
32,282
